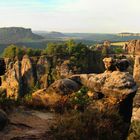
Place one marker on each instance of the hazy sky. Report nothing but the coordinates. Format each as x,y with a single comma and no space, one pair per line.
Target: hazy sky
96,16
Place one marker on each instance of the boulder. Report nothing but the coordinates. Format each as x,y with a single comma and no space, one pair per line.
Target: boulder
109,64
116,88
116,64
42,98
64,87
122,64
54,93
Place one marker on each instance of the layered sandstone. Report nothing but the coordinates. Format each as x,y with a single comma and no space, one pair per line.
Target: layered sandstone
132,47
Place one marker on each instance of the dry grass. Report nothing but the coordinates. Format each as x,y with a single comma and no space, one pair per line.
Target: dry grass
118,43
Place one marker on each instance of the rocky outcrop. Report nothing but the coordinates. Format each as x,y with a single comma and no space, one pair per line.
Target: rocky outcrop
7,61
107,43
42,69
135,120
18,77
105,47
27,73
12,80
115,86
136,71
115,90
64,70
116,64
55,93
132,47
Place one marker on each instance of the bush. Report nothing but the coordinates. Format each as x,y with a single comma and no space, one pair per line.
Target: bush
80,99
89,125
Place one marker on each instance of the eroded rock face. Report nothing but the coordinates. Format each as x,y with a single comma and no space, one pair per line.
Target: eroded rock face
135,119
109,64
11,81
42,69
7,61
136,71
132,47
115,86
27,73
64,70
116,64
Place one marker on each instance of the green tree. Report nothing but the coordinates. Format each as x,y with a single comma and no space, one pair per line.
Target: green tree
13,51
30,52
55,49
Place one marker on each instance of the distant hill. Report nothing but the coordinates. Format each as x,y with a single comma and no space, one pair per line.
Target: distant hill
128,34
88,37
50,35
17,34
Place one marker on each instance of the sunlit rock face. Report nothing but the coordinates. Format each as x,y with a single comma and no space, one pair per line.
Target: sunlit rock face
64,70
132,47
12,80
116,86
27,72
136,71
116,89
55,93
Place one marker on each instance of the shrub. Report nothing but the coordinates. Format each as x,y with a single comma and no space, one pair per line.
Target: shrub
89,125
80,99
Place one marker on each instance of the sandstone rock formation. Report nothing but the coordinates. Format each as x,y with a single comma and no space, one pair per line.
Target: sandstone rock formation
116,64
64,70
132,47
56,91
136,71
11,81
115,86
109,64
27,72
107,43
135,120
18,77
115,89
42,69
7,61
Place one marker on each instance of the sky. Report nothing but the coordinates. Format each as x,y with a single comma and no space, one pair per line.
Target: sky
87,16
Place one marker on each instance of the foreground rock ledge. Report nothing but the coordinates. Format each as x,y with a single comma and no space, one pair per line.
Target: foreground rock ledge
116,87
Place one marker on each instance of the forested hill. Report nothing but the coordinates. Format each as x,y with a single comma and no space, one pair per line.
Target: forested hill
17,34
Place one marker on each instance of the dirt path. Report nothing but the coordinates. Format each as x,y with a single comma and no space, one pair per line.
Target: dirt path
27,124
